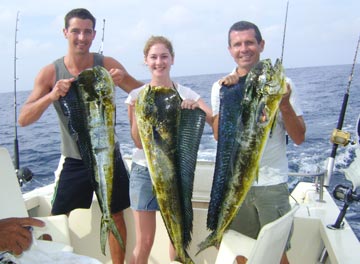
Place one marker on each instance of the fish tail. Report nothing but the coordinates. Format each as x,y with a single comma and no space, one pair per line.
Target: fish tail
116,233
106,225
188,259
103,235
212,240
185,259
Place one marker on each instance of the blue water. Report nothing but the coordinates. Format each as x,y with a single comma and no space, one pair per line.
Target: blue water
321,90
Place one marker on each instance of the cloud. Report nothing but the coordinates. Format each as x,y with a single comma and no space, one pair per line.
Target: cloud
177,16
198,30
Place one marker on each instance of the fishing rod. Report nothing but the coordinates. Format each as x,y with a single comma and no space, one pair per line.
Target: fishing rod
16,143
101,49
283,42
338,136
282,52
24,174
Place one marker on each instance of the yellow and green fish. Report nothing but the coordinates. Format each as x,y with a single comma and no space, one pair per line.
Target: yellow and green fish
90,107
246,118
170,138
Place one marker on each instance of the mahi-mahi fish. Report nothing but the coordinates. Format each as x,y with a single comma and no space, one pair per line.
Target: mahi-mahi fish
90,107
170,138
264,87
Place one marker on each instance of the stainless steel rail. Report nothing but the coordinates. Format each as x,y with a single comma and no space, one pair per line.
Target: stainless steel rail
319,178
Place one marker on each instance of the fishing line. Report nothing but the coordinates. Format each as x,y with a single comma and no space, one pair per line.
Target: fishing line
101,49
283,42
282,55
338,140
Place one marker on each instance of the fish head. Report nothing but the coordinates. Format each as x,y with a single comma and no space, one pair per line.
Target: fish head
258,79
86,81
97,85
151,97
157,111
264,89
266,78
274,89
276,81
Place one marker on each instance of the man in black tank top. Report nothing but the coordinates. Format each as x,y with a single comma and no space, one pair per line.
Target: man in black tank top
53,82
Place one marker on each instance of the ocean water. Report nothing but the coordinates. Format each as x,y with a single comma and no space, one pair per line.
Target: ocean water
320,89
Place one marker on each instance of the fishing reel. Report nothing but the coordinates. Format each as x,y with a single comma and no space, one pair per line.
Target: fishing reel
340,137
24,175
347,195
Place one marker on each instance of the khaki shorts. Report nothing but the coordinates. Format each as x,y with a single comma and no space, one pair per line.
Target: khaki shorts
262,205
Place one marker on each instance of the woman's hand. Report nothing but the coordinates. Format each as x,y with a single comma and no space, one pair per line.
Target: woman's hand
189,104
229,80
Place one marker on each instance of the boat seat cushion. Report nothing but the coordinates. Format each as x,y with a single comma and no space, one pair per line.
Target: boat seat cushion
267,248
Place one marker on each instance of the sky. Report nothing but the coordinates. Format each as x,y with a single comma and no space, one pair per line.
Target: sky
318,33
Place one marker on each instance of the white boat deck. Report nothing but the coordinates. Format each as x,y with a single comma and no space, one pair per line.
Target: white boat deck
310,234
311,231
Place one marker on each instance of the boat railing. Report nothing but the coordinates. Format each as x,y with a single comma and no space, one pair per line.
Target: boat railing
319,178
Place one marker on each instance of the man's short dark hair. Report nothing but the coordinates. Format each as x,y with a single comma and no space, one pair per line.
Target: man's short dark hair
79,13
245,25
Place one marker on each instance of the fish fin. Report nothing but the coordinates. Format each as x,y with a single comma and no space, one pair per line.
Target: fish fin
103,235
229,114
189,135
157,136
212,240
106,225
65,102
273,125
116,233
187,259
64,106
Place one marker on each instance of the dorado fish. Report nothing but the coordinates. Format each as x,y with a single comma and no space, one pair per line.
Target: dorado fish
170,139
264,87
90,107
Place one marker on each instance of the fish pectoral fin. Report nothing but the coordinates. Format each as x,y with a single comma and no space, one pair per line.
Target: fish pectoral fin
157,136
108,224
100,149
263,117
273,125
